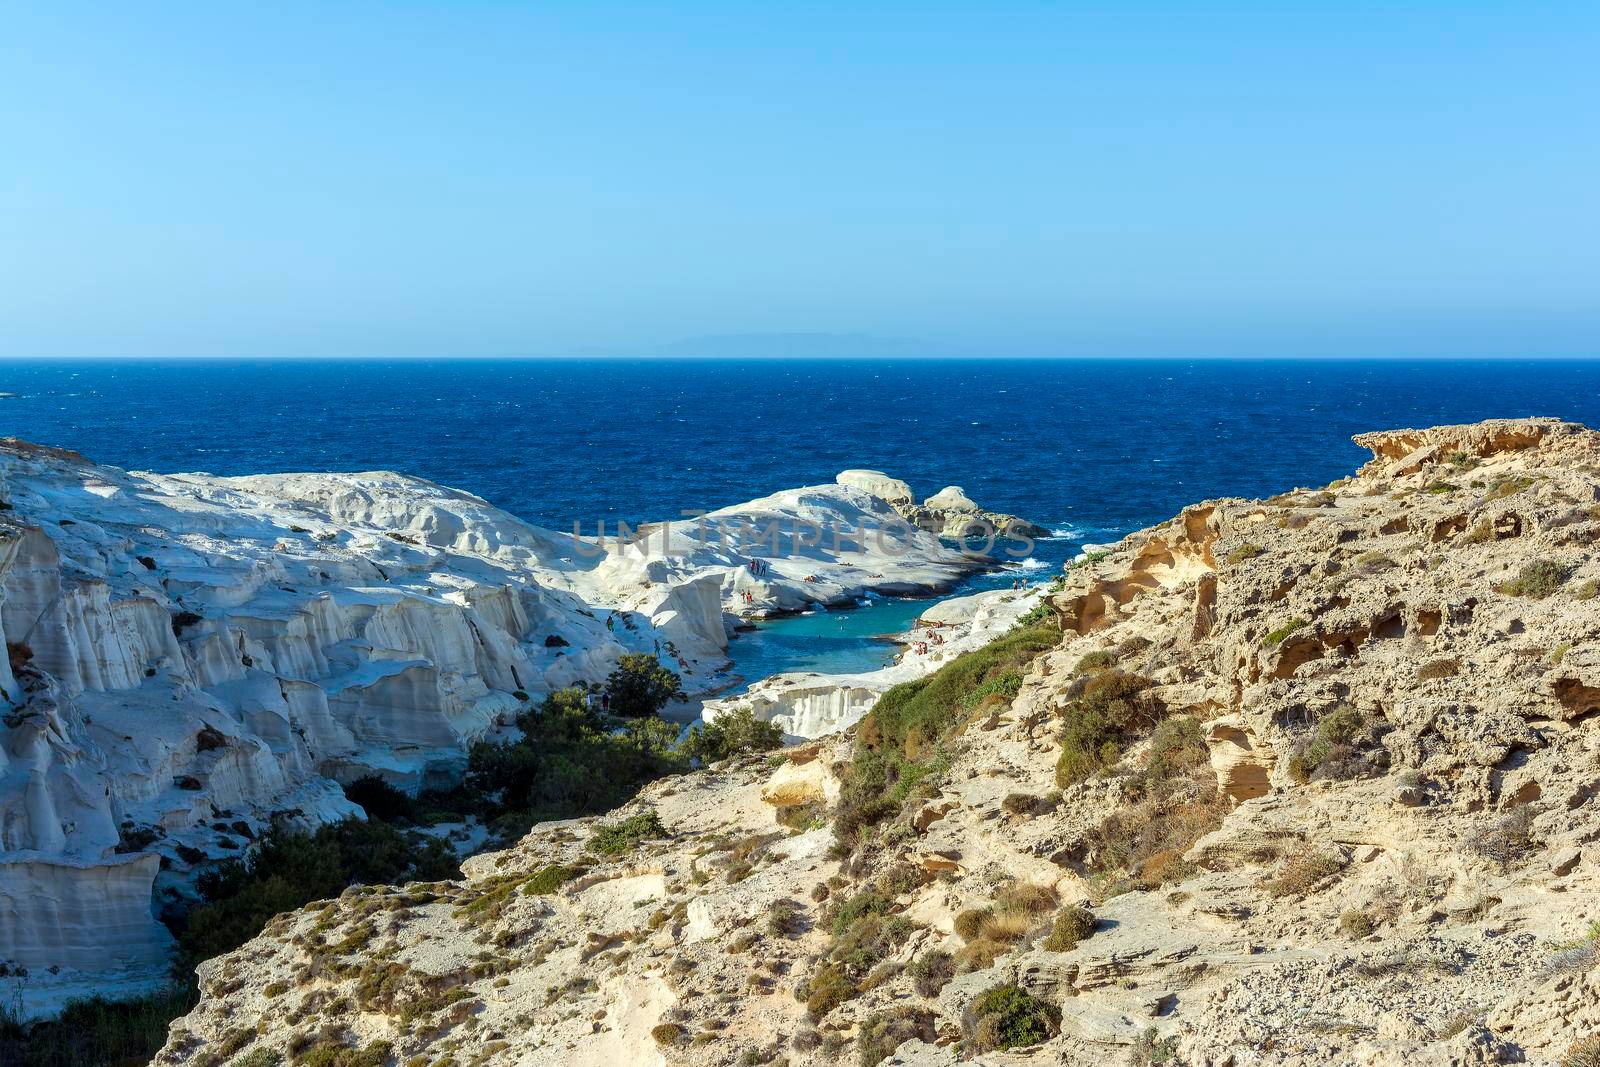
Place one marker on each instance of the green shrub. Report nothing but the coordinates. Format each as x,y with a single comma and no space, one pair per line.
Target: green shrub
1007,1016
1095,661
1335,734
333,1054
869,941
1031,898
570,761
1108,710
1277,636
931,970
261,1057
96,1032
1536,580
640,686
1153,1051
785,918
1507,485
1244,552
1025,804
617,838
549,879
1072,924
829,988
668,1034
969,923
735,733
1177,748
882,1033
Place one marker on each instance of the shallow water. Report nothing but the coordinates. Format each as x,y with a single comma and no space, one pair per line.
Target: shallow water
845,640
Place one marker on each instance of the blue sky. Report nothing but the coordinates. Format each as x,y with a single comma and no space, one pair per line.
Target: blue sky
499,179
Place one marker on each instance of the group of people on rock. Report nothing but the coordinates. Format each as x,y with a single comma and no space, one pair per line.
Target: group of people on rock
758,568
1019,585
748,597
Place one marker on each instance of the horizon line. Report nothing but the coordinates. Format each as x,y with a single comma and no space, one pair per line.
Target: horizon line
873,358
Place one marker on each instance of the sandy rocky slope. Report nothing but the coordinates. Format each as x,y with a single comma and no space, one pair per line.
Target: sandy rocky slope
193,657
1386,854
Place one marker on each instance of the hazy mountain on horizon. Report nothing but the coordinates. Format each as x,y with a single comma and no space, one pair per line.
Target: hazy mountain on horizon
800,346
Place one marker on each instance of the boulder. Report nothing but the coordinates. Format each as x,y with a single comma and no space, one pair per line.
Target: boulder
950,498
878,484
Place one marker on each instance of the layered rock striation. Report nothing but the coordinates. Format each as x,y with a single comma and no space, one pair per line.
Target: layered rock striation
192,658
1294,781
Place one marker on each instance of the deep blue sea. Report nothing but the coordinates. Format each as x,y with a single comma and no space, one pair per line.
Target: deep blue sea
1091,448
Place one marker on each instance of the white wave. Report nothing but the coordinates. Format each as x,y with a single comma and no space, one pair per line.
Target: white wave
1031,564
1063,534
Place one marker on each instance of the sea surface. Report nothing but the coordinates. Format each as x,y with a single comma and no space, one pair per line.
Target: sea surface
1092,449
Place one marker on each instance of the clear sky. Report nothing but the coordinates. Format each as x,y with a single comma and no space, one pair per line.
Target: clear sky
503,179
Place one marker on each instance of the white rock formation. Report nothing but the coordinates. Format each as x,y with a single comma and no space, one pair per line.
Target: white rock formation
196,655
879,485
950,498
949,513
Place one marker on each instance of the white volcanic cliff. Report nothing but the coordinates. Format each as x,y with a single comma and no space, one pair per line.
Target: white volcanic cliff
197,655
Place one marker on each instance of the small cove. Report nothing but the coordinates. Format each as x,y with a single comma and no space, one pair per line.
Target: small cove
860,639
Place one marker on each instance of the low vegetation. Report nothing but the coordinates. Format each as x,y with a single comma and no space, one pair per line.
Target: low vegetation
1506,841
1175,801
95,1031
1276,637
1301,872
1536,580
287,870
571,760
1072,924
1329,752
900,744
1584,1052
1108,708
931,970
1355,923
733,734
619,838
1244,552
1008,1016
882,1033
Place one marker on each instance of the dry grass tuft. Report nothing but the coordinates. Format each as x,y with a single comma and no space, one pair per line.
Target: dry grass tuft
1302,871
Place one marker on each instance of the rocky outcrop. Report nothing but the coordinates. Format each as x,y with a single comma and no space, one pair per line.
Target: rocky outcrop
948,513
1368,840
197,658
